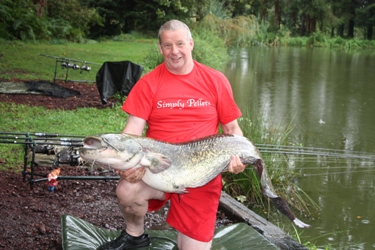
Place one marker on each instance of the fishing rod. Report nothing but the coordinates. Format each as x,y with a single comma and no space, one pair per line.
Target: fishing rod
41,138
40,134
308,149
44,143
320,162
86,178
48,141
330,168
294,150
334,173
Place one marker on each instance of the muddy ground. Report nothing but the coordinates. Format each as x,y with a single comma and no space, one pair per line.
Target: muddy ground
30,218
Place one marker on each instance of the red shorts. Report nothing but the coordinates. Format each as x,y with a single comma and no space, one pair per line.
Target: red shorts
193,213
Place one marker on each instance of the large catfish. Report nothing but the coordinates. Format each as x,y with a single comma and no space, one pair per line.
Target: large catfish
173,167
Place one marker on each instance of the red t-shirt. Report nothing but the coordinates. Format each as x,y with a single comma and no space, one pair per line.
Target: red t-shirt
180,108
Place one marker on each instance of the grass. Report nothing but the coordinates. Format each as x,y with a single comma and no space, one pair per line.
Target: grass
83,121
23,60
246,187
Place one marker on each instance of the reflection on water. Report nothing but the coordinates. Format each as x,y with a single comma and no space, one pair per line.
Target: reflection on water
330,96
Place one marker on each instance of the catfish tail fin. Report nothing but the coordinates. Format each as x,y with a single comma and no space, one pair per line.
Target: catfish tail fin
283,207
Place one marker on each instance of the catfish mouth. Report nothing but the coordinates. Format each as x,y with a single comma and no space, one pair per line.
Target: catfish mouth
101,151
93,143
92,150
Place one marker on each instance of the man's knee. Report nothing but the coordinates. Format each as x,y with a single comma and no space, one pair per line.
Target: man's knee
126,191
131,198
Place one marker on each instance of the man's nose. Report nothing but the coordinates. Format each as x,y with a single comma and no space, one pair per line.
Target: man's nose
175,49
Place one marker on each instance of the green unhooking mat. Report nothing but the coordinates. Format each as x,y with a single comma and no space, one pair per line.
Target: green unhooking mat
79,234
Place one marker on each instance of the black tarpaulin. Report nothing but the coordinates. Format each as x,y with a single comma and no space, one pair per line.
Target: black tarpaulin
37,87
52,89
117,77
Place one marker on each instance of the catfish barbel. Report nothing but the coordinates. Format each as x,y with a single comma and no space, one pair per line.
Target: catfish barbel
173,167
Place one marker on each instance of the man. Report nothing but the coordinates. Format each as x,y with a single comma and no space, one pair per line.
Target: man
180,100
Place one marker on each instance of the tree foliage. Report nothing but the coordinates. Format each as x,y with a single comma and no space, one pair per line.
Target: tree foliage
305,17
19,21
124,16
77,19
365,18
45,19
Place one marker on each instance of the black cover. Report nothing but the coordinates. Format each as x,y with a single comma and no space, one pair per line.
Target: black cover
50,89
115,77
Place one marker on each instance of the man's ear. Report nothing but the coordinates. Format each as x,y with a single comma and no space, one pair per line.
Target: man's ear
159,46
191,44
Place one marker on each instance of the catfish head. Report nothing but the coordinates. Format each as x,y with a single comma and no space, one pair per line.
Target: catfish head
113,150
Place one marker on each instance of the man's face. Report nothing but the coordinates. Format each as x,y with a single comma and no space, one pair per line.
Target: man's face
177,49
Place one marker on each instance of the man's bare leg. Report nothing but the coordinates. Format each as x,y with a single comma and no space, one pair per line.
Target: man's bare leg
133,202
186,243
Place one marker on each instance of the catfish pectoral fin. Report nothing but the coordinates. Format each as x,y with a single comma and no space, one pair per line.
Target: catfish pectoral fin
283,207
158,162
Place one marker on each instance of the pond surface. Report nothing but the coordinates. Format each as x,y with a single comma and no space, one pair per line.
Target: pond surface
329,96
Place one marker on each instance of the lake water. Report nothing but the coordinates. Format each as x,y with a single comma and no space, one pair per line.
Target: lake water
329,95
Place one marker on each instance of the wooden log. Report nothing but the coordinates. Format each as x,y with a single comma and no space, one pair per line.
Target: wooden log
274,234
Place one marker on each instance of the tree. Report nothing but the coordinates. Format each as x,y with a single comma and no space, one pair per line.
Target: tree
312,12
365,17
77,19
19,21
345,10
41,19
124,16
69,19
277,14
40,5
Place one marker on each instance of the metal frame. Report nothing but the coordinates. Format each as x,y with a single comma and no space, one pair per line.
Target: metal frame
30,144
61,60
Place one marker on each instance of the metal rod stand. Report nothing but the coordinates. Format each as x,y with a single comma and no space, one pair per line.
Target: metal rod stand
31,144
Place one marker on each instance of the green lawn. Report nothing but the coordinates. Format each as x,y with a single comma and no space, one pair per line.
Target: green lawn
23,60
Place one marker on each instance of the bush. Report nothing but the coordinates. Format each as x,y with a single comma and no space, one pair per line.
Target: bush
209,50
317,39
153,59
238,31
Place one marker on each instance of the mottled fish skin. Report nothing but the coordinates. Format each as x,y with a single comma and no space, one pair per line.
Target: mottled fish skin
173,167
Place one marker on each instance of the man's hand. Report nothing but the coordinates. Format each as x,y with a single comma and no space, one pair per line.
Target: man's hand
132,175
236,166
